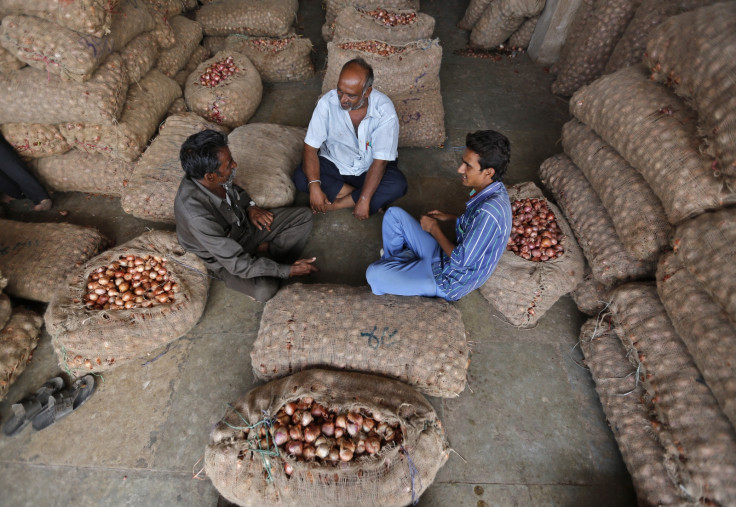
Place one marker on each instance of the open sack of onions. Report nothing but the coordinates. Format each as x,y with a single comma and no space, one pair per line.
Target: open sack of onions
279,443
126,302
542,261
392,26
18,339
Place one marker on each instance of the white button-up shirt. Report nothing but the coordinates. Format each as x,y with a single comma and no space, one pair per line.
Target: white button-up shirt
332,132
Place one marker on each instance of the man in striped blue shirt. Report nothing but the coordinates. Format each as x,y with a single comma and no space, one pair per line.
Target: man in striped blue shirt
419,260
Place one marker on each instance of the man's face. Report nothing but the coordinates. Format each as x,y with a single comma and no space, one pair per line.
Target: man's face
350,89
226,170
471,173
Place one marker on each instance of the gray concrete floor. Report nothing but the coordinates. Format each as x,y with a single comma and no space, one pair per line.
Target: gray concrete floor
528,430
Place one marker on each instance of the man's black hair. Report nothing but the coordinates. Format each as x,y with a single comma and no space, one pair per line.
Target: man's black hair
198,154
493,149
366,67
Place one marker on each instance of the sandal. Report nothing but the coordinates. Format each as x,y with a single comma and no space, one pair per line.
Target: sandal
28,408
64,403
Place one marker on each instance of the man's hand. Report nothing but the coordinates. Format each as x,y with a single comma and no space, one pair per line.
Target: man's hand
429,224
260,217
362,209
318,199
303,267
441,215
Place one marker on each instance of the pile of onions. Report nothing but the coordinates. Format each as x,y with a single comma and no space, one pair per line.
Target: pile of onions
393,18
535,235
130,282
272,45
372,46
218,72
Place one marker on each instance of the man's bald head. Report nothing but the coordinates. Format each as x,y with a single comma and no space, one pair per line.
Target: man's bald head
358,68
355,84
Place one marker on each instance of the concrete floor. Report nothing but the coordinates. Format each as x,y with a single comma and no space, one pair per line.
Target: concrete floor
529,430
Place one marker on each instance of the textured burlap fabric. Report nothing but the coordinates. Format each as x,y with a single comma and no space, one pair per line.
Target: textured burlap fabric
199,55
473,13
629,413
420,341
215,43
421,119
35,139
89,17
18,339
267,155
9,63
188,35
232,101
394,477
591,296
655,131
140,56
36,257
333,7
703,439
635,210
591,223
5,309
271,18
353,23
155,180
501,19
276,59
524,290
179,106
31,95
523,35
97,340
163,32
81,171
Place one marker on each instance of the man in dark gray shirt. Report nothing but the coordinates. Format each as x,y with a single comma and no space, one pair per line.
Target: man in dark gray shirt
219,222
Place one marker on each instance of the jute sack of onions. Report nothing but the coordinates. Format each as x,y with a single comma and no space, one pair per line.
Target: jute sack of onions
473,13
199,55
215,43
333,7
392,26
152,187
18,339
539,266
609,261
523,35
179,106
58,50
591,296
267,155
169,8
629,411
5,306
703,439
419,341
188,35
655,131
162,29
9,63
226,89
695,53
147,103
379,443
36,257
398,69
589,46
706,330
35,139
276,59
271,18
501,19
635,210
126,302
31,95
140,56
88,17
421,119
79,171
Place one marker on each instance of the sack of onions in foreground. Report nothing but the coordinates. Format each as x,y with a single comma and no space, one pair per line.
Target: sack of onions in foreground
126,302
327,438
542,261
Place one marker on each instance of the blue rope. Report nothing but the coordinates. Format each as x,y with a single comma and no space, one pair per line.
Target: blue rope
264,453
414,474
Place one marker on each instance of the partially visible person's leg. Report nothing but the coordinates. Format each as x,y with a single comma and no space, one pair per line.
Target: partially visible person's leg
261,288
400,230
12,166
9,187
288,235
331,181
392,187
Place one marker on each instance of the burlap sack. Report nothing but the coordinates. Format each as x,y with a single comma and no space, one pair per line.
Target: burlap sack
421,119
589,44
233,100
267,155
188,35
523,35
35,139
199,55
501,19
9,63
353,23
31,95
333,7
696,53
277,60
36,257
420,341
473,13
179,106
3,282
79,171
215,43
705,329
654,131
57,50
412,68
169,8
704,440
97,340
145,108
89,17
628,411
5,309
140,56
524,290
18,339
162,31
155,180
636,212
271,18
591,296
396,476
608,259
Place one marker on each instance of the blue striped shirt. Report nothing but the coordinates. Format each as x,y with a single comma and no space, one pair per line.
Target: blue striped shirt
482,234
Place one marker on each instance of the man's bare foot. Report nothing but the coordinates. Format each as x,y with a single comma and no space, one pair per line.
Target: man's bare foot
341,203
44,205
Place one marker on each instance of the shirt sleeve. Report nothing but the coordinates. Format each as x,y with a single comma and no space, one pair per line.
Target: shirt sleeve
317,130
385,137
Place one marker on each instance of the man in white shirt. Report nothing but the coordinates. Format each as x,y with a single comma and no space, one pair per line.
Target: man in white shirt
351,148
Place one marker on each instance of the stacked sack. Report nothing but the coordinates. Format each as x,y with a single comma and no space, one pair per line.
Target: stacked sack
334,7
493,22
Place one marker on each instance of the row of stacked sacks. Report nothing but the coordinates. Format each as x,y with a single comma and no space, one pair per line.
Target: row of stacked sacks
493,23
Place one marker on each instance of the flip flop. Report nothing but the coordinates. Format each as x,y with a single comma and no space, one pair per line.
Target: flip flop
28,408
64,403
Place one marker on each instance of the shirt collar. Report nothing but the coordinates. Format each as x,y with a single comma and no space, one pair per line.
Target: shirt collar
481,196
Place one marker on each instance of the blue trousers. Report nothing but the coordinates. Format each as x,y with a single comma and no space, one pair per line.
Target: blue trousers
405,269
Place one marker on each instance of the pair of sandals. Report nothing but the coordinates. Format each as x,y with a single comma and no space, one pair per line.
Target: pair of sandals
50,403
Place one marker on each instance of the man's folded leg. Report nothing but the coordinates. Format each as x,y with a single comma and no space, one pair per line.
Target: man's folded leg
402,275
260,288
